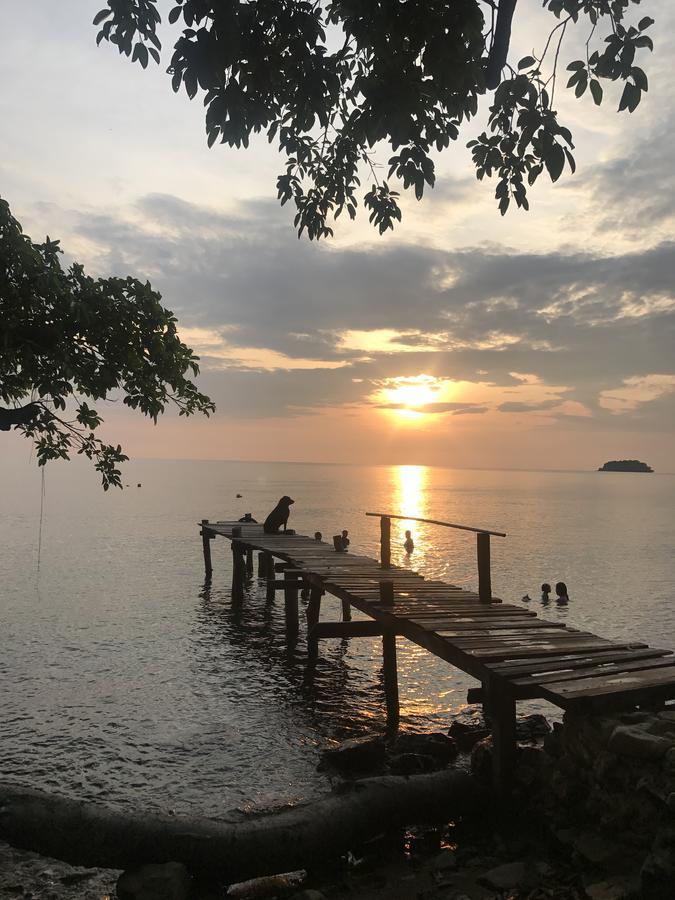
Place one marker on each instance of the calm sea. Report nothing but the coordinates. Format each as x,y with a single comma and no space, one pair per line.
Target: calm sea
126,679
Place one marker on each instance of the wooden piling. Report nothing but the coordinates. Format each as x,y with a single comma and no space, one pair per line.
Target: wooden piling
291,604
207,537
484,578
502,709
249,563
385,542
346,611
390,678
238,570
313,607
261,565
386,593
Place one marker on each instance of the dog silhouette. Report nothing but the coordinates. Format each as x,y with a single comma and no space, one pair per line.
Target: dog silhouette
278,516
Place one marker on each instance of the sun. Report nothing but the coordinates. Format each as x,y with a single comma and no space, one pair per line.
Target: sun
411,396
406,398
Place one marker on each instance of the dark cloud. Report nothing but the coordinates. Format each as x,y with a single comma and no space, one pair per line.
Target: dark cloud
514,406
578,319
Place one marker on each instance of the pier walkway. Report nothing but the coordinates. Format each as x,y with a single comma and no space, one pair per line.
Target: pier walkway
508,648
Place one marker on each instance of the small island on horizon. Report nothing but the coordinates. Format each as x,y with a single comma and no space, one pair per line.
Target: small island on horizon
625,465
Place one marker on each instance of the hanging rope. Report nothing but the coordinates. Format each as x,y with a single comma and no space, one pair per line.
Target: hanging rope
42,508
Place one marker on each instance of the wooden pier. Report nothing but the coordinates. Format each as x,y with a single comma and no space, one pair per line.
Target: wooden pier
513,653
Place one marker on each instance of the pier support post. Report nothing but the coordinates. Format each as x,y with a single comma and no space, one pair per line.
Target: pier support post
390,678
249,563
261,565
207,537
484,579
385,542
389,660
291,604
238,570
346,611
269,575
312,612
502,707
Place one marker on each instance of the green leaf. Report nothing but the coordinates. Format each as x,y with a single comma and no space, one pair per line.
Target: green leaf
596,91
555,161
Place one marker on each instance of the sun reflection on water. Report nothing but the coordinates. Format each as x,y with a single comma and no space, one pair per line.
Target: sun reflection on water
410,498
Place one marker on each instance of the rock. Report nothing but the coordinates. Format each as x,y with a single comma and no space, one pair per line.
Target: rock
165,881
612,889
356,755
439,745
481,757
594,848
657,874
669,761
529,728
629,740
505,877
467,732
308,894
667,715
413,764
443,861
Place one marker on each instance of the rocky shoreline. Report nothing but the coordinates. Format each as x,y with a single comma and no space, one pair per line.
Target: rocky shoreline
592,818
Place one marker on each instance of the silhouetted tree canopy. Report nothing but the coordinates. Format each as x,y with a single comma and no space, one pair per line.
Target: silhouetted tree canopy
328,80
67,339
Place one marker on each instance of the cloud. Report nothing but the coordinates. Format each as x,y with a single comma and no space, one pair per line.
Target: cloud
255,299
635,392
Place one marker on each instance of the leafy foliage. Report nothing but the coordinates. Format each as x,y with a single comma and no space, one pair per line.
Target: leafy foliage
328,81
67,339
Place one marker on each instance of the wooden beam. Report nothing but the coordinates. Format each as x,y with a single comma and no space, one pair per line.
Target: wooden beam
291,606
207,537
367,628
385,542
503,717
484,577
390,678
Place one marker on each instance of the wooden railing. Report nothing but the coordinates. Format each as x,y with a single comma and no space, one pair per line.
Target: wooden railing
482,546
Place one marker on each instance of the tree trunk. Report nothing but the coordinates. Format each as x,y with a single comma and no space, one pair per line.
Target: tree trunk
91,834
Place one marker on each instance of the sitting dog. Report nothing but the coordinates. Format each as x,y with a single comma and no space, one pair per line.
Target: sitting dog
278,516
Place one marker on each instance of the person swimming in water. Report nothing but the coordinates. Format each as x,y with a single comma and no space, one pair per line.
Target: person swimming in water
545,592
561,593
408,544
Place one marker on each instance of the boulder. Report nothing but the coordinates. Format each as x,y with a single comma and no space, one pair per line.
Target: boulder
505,877
530,728
657,874
629,740
413,764
437,745
467,732
612,889
162,881
481,757
356,755
595,848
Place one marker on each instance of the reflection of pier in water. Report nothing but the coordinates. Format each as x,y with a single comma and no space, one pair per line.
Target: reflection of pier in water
333,697
514,654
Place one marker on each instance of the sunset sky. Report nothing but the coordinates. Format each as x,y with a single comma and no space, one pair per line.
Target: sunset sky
539,340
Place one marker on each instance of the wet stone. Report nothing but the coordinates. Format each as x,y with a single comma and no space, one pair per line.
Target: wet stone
413,764
505,877
438,745
629,740
356,755
165,881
